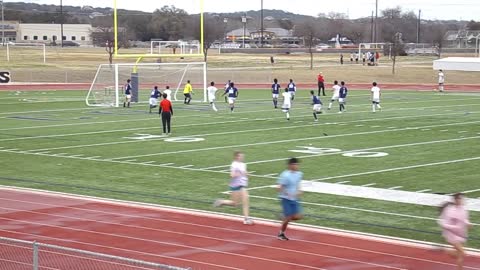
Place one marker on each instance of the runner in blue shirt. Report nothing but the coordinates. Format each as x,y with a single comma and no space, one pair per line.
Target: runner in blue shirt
289,193
343,97
275,92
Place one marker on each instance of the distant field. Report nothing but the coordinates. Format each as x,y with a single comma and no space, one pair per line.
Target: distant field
51,140
78,65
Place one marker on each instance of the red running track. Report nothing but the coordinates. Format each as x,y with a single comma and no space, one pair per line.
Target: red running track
201,240
352,86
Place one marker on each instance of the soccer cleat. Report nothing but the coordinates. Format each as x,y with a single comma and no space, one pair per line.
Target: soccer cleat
282,237
316,120
217,203
248,221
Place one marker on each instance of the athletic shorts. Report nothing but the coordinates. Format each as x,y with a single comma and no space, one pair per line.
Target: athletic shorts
128,96
236,188
231,100
292,93
335,97
341,100
211,98
291,208
317,107
187,95
287,106
275,95
376,100
153,101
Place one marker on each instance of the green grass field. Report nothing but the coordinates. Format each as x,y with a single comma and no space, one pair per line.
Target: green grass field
51,140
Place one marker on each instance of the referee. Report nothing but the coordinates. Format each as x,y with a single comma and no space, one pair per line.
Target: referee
166,112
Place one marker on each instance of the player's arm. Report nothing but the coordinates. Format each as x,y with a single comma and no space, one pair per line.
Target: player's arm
171,109
160,110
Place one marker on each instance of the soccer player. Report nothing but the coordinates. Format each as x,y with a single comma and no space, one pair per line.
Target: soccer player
343,97
321,84
227,85
232,94
275,92
238,187
168,92
287,103
336,94
364,58
289,193
166,112
357,56
128,94
292,89
441,80
352,55
376,97
154,95
187,92
454,220
212,92
317,105
341,59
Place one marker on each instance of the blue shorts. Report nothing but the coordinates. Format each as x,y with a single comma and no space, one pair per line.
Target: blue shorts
236,188
291,208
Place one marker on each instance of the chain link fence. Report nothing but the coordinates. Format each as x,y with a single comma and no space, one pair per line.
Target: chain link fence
26,255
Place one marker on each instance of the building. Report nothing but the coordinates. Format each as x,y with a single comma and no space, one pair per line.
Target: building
49,33
10,29
270,36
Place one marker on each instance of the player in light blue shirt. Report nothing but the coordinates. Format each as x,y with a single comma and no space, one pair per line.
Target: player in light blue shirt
289,193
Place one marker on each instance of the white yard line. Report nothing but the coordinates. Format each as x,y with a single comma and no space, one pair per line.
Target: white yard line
369,185
397,187
342,182
360,150
424,190
471,191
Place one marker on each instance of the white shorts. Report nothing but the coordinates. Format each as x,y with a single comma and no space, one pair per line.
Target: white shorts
211,98
231,100
128,96
287,106
153,101
335,97
292,93
275,95
317,107
341,100
376,100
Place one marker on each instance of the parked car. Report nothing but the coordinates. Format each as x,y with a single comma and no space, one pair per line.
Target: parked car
66,43
322,46
294,46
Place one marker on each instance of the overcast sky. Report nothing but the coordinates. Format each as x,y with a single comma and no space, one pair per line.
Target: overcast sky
431,9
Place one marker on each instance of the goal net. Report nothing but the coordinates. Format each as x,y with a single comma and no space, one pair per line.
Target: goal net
107,88
175,47
26,51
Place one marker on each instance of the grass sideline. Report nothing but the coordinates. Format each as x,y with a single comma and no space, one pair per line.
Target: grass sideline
50,140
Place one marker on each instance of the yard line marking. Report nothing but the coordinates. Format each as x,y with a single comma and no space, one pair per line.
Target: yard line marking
359,125
94,157
252,172
375,126
167,164
358,150
228,171
470,191
444,130
426,129
46,152
463,131
148,162
131,160
342,182
271,174
369,185
186,166
423,190
397,187
391,127
74,156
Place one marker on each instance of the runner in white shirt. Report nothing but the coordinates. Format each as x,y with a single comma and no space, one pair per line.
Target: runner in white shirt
441,80
238,187
376,97
212,92
287,103
168,92
336,94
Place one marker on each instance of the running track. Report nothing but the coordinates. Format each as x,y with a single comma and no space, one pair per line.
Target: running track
200,240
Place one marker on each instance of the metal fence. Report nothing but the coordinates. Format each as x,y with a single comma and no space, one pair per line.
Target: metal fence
23,255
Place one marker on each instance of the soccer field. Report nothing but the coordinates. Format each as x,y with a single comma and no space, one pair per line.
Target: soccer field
421,142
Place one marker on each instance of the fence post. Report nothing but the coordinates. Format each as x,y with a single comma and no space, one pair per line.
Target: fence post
35,256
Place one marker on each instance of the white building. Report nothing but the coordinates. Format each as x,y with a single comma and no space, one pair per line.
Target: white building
47,33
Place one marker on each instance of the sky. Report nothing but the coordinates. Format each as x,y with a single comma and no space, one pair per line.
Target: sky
431,9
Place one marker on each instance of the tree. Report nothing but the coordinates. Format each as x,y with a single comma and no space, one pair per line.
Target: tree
213,30
473,26
394,20
168,23
109,49
397,48
309,32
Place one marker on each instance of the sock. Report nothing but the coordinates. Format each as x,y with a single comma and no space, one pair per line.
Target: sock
315,115
293,97
378,106
342,107
231,109
214,107
288,115
124,104
275,103
330,105
128,104
373,107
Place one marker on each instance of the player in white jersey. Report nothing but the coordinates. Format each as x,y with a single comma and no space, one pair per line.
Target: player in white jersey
168,92
287,103
376,97
441,80
238,187
336,94
212,92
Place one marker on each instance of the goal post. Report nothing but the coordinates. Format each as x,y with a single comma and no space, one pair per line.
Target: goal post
12,47
108,84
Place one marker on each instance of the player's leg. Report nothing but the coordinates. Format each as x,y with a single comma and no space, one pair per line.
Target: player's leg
292,94
235,198
246,206
286,110
378,105
125,102
129,98
164,123
275,100
441,87
169,120
323,89
185,99
319,88
374,106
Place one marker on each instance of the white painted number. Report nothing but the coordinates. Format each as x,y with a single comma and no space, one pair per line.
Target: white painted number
184,140
365,154
320,151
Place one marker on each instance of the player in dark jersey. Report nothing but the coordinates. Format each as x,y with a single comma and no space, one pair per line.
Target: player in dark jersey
343,97
154,95
232,94
275,92
128,94
317,105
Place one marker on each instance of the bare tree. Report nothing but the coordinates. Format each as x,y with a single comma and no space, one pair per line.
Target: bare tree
213,30
109,49
309,32
397,48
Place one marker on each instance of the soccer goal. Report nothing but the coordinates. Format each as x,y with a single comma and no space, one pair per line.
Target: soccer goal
370,47
28,51
107,88
175,47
